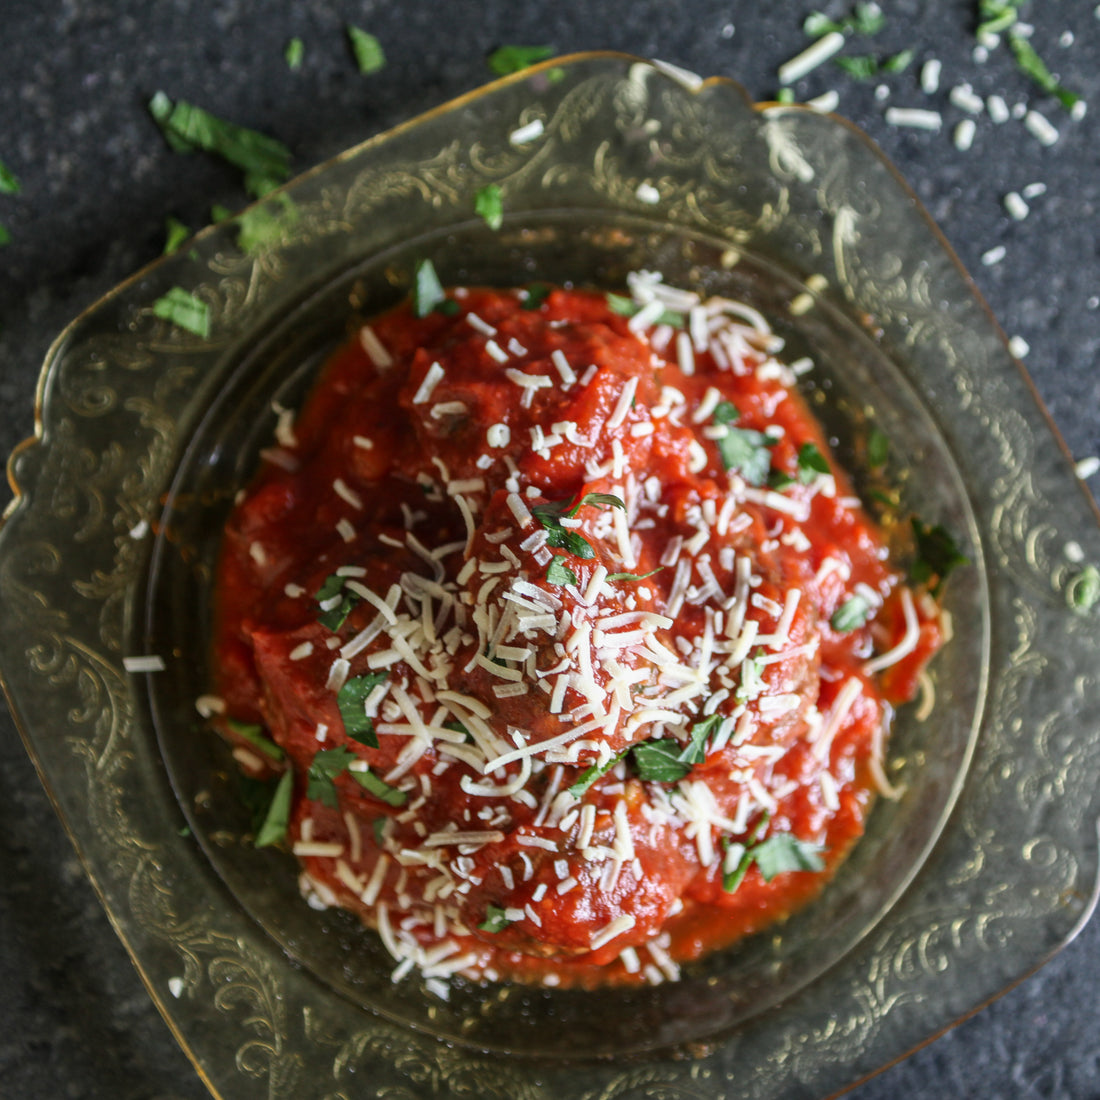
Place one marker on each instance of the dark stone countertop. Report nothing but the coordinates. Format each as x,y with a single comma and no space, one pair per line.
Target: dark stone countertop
98,183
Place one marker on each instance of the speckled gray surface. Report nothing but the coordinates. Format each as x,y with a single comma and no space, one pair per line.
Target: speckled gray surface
97,184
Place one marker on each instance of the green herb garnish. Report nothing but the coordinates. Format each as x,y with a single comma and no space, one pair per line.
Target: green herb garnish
537,293
332,618
495,919
489,205
937,555
254,735
185,311
627,307
175,233
323,771
778,480
277,817
513,59
293,54
9,184
557,572
1083,591
878,447
594,772
996,16
263,225
863,67
748,452
752,679
779,853
351,699
785,95
427,289
899,62
632,576
564,538
367,50
660,761
378,828
1032,65
732,879
370,782
866,19
852,613
264,161
5,236
811,463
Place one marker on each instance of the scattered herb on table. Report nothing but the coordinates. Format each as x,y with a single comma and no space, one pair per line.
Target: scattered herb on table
367,50
184,310
277,818
293,54
513,59
489,205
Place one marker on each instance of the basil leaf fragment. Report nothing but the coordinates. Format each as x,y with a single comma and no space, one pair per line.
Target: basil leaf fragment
185,311
786,852
937,555
9,184
351,699
997,16
332,618
811,463
427,289
326,766
513,59
264,225
633,576
536,294
862,68
850,615
293,54
627,307
557,572
495,919
370,782
1083,591
748,452
878,447
549,515
489,205
732,879
264,161
594,772
867,19
1033,66
369,56
277,818
659,761
254,735
175,233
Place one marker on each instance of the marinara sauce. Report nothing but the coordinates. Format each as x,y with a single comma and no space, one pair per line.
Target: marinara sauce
570,641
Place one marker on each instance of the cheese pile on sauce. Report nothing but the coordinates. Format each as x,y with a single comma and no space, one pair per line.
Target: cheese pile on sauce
583,569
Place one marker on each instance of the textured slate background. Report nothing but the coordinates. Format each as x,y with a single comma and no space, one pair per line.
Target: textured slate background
98,183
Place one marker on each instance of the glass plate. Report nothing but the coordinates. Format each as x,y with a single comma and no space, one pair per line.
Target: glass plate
607,164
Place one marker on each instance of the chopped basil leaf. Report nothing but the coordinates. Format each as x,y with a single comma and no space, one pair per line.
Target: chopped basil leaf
867,19
488,205
5,236
778,480
264,225
537,293
495,919
333,617
557,572
351,699
367,50
185,311
899,62
1032,65
277,818
457,726
255,795
633,576
380,789
784,95
607,499
627,307
1083,591
378,827
591,774
752,679
726,412
448,307
659,761
850,614
561,538
786,852
264,161
878,447
219,213
732,879
175,233
427,289
937,555
811,462
997,16
293,54
862,68
9,185
748,452
513,59
326,766
696,750
254,735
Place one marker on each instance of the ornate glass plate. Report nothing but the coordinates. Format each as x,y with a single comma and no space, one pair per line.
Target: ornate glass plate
983,868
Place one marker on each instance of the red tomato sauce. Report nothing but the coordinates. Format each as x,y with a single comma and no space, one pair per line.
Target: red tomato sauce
572,637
